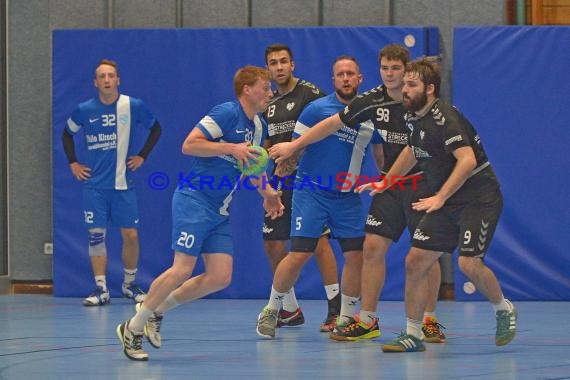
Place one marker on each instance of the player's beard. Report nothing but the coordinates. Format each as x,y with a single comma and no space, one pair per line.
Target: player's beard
417,103
345,96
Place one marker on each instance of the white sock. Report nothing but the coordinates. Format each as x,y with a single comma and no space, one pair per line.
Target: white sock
101,281
504,304
367,316
347,307
129,275
414,328
136,324
430,314
275,299
290,301
168,304
332,290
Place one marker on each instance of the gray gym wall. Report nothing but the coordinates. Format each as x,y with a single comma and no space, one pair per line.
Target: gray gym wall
28,91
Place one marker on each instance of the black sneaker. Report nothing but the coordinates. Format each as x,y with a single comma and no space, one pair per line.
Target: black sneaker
290,318
356,330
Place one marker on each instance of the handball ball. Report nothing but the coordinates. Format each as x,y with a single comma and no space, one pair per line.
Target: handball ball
258,164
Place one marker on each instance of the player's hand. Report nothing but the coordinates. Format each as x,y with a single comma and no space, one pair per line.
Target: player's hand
282,151
373,187
242,153
285,167
272,204
134,162
428,205
80,171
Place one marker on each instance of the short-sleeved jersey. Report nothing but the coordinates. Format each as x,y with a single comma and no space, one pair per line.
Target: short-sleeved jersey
342,152
433,139
284,110
109,132
215,178
387,115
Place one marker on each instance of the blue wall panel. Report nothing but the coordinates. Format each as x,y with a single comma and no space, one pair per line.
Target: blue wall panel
181,74
512,83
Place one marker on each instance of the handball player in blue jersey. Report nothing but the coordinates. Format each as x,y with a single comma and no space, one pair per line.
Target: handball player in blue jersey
291,96
319,199
110,123
200,216
390,212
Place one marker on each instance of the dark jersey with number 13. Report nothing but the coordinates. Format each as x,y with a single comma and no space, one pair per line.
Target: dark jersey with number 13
284,110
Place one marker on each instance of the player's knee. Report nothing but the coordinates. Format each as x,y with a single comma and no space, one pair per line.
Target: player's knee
470,266
223,279
373,250
97,242
297,259
275,248
414,263
130,235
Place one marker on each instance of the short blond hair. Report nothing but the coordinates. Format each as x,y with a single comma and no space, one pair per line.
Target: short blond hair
247,76
108,62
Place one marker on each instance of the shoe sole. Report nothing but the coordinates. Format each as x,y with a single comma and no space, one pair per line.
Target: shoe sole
325,329
89,304
290,323
120,334
265,336
434,340
387,348
341,338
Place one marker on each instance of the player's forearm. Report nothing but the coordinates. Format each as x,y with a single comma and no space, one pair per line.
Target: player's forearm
403,164
151,140
319,131
206,148
460,173
263,186
68,146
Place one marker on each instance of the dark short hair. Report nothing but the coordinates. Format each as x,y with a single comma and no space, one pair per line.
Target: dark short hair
427,71
347,57
278,47
395,52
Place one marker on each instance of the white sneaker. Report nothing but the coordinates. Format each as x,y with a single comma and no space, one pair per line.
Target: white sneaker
132,343
98,297
152,328
134,292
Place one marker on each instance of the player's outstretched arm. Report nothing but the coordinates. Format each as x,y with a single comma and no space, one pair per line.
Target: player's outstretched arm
319,131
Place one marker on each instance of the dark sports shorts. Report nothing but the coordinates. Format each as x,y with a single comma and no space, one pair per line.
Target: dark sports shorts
469,226
391,211
280,228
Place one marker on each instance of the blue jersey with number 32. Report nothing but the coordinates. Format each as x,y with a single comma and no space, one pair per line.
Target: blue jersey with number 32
109,132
